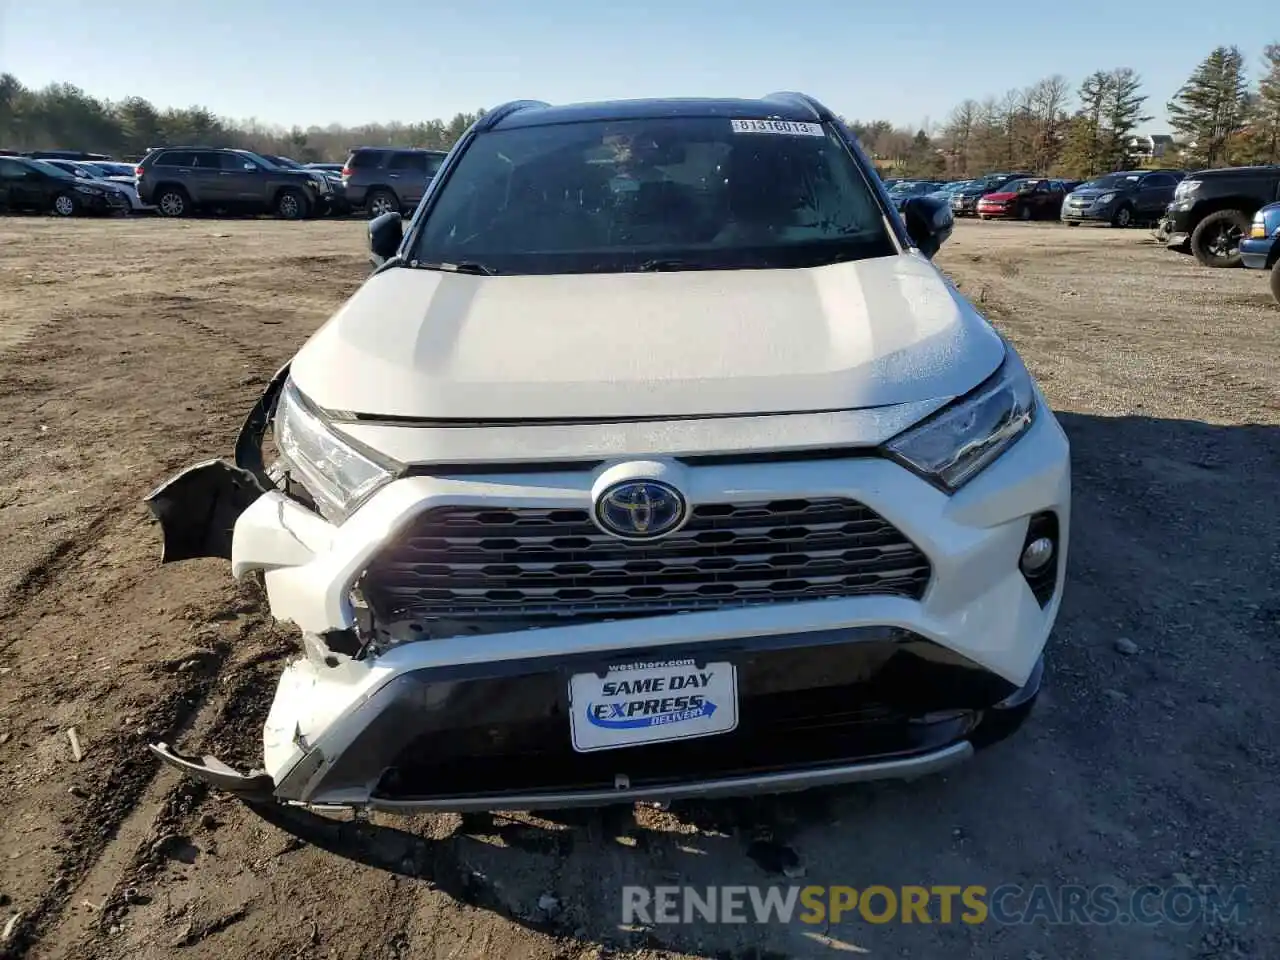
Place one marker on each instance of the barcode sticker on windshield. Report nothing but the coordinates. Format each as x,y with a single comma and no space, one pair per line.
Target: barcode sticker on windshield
787,128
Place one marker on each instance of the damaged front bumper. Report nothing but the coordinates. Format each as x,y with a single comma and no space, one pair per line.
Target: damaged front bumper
827,691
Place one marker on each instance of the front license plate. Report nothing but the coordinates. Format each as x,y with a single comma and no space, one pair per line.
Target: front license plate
651,702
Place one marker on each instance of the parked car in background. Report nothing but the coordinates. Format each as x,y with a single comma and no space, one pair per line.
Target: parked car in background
98,170
182,180
947,190
338,198
385,179
904,189
36,185
1121,199
1212,210
1029,199
65,155
1261,249
326,167
964,202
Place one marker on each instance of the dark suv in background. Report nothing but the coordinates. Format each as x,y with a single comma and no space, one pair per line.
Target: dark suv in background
1212,209
385,179
1122,198
178,181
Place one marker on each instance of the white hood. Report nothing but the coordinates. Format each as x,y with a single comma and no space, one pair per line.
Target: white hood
434,345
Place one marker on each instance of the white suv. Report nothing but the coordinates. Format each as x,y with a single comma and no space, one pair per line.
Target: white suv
656,459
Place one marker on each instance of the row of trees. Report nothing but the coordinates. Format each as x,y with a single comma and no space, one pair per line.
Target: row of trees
64,116
1217,117
1048,127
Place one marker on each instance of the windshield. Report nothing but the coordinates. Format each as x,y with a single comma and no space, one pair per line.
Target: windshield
50,169
1018,186
912,187
285,162
1112,181
101,169
257,158
655,193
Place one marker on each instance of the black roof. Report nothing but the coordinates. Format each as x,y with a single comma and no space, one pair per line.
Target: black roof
795,107
440,153
1267,168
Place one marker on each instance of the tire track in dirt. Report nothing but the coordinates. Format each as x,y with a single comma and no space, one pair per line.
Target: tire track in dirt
234,689
89,631
42,575
114,796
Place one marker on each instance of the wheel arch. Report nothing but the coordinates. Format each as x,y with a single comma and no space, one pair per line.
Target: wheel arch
385,188
284,188
1244,205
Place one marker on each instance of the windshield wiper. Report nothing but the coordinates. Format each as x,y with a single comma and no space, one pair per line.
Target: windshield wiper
668,263
660,264
465,266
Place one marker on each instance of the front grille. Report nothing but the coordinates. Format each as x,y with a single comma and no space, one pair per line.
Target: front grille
469,562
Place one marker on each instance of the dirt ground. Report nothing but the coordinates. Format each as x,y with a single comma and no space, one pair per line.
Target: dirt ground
130,348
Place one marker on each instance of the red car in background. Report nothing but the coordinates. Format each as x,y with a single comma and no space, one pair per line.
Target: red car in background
1030,199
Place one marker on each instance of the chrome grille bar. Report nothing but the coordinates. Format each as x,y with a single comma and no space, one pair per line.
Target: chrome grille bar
470,562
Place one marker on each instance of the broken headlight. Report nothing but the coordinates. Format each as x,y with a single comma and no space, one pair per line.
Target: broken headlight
337,475
955,444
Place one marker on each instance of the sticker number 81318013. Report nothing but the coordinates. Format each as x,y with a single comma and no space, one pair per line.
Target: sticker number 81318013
787,128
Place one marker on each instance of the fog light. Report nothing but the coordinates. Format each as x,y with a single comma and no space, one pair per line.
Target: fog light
1037,553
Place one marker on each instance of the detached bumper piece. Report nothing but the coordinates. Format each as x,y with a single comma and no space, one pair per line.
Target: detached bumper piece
211,770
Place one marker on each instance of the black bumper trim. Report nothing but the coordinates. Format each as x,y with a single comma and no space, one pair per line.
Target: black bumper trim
494,731
906,768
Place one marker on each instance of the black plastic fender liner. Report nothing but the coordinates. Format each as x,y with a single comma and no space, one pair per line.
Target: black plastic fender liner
197,509
248,452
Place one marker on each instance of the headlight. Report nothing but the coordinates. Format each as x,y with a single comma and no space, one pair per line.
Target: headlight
1106,198
91,191
337,476
1185,189
955,444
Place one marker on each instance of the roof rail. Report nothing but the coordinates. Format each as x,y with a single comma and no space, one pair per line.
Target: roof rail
502,111
802,100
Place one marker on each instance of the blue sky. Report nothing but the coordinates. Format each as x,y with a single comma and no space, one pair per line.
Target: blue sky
322,61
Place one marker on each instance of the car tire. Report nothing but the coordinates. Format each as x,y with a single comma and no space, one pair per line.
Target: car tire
1211,239
1072,223
380,202
173,202
1275,281
1024,213
291,204
1123,217
64,205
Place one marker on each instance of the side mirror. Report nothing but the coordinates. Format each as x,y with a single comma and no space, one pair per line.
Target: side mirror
929,223
385,235
250,167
